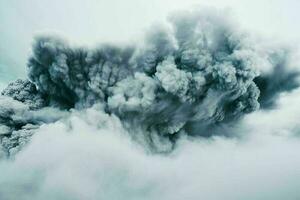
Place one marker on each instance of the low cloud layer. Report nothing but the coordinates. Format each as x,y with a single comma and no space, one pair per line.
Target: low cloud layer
90,156
196,111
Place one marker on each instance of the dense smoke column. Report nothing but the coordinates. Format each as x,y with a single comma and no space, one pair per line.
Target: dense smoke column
183,68
199,74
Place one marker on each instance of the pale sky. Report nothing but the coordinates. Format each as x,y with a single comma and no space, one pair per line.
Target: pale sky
88,22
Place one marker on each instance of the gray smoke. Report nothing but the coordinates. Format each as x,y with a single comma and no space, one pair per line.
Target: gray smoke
24,91
189,79
18,123
221,108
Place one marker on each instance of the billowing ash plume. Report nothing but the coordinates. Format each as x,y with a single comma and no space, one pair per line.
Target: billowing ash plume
188,79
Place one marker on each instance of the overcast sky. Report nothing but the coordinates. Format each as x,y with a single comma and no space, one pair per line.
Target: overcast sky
94,21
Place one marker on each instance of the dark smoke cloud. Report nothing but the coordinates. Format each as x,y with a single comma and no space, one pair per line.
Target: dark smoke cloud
199,74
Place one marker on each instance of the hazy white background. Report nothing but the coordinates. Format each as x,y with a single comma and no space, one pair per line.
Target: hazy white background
93,21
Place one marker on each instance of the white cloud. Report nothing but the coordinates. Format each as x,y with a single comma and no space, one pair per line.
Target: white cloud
90,156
